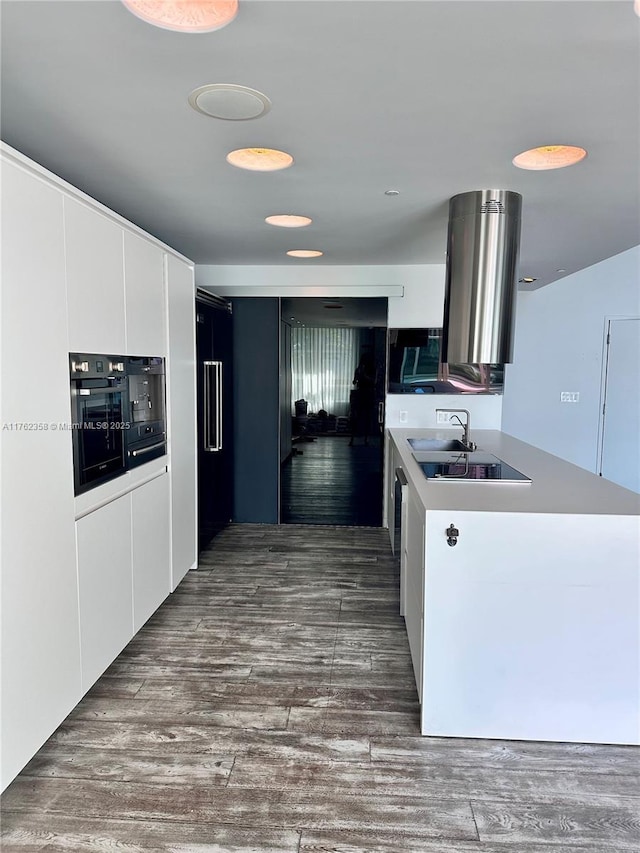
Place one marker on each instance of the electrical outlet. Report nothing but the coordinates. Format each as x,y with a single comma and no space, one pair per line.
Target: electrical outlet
443,417
404,416
569,396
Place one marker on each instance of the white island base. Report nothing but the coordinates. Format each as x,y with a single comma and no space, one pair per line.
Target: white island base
528,628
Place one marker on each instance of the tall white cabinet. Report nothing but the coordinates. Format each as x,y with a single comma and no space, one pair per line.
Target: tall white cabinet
81,575
40,621
181,391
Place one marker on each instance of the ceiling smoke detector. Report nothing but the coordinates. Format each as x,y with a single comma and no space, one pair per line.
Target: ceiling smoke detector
229,102
194,16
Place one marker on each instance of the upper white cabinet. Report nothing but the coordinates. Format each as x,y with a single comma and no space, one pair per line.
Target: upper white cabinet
105,586
151,548
144,293
181,394
95,280
40,628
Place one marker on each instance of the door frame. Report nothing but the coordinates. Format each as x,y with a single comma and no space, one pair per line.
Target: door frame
604,373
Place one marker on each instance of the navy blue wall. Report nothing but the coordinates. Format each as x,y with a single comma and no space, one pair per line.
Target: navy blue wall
256,451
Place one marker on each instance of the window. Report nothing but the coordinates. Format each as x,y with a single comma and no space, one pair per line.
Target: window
323,362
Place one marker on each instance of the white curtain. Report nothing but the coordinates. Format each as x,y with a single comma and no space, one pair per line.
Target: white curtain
323,362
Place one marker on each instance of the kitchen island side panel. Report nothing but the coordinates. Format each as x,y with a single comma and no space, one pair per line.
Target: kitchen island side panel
531,627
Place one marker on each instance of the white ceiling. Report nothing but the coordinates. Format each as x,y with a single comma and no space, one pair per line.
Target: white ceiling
429,98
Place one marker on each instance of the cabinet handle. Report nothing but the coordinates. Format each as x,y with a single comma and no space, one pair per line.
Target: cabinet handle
401,477
147,449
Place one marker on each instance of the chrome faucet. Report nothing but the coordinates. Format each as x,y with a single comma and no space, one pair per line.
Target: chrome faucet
466,425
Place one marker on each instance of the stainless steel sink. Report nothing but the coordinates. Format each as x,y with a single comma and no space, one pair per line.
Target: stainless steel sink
438,444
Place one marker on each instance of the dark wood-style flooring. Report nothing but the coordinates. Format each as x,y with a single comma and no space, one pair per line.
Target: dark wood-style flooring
269,707
327,481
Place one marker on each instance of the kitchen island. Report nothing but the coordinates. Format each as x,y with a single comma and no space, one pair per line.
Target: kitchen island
521,599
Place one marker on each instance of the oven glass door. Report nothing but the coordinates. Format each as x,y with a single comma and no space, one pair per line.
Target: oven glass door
99,434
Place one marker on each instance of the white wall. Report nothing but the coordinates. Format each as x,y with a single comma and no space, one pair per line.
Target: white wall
416,300
559,346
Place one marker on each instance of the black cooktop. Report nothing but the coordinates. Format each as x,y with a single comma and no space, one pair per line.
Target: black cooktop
468,467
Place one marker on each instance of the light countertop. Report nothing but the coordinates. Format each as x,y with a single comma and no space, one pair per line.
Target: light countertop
556,486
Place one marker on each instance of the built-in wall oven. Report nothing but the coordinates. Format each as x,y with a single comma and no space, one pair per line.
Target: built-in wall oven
118,415
99,417
146,437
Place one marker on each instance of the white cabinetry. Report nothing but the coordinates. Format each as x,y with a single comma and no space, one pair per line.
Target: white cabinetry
151,548
39,586
145,303
74,591
181,399
105,586
95,280
531,627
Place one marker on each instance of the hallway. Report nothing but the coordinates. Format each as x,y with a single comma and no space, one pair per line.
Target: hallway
329,481
269,707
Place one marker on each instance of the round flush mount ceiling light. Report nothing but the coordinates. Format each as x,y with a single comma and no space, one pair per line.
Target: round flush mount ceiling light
392,192
549,157
304,253
288,220
185,16
527,280
229,101
260,159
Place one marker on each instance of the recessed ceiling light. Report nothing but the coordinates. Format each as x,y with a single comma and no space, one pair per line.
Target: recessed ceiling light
527,280
195,16
229,101
392,192
260,159
304,253
561,270
549,157
288,220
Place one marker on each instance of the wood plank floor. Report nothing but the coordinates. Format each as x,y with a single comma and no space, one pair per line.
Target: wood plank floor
328,481
269,707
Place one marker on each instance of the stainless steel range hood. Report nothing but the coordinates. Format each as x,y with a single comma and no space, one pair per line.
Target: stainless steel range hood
482,261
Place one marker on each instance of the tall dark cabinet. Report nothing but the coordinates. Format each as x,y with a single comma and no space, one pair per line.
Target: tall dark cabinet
214,352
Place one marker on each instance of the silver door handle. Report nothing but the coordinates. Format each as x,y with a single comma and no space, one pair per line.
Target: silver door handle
219,405
381,412
212,397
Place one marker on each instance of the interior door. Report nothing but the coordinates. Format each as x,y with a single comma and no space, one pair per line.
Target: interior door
620,432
